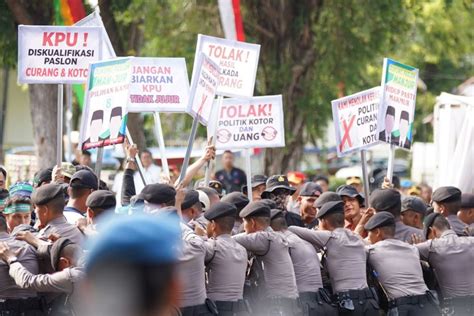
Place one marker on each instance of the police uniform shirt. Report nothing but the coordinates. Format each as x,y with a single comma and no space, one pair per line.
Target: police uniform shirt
397,264
191,269
226,261
8,288
278,270
58,282
61,227
346,258
457,225
404,232
452,259
305,263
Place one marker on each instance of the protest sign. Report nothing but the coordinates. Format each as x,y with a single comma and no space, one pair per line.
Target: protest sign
355,120
104,120
159,84
250,123
57,54
204,85
238,62
397,104
94,19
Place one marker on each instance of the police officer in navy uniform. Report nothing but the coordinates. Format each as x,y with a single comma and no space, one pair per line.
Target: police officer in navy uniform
226,261
273,291
396,265
344,252
239,200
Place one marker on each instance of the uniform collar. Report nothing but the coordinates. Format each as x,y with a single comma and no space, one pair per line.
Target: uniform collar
224,236
448,232
58,220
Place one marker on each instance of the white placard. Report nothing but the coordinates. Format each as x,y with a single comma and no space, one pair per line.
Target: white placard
355,121
159,85
256,122
238,62
57,54
203,88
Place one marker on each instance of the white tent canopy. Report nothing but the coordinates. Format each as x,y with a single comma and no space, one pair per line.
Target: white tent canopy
454,141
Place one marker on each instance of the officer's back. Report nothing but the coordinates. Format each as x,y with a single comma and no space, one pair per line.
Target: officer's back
226,261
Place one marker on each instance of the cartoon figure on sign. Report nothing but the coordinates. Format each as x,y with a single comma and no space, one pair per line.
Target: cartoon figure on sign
386,135
115,122
346,126
404,128
95,126
223,136
269,133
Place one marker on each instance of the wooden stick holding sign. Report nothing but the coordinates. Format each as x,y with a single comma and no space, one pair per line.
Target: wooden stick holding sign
59,131
212,138
98,163
201,100
161,144
365,175
248,167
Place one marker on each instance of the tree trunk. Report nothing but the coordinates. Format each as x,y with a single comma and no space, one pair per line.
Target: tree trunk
43,105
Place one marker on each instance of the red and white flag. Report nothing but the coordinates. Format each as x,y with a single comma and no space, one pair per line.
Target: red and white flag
232,19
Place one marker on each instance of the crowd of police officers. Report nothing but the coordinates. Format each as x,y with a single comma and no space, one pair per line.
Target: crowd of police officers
175,251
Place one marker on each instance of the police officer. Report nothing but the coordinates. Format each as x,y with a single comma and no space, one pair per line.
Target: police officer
344,252
413,211
396,265
278,189
466,213
226,261
314,299
49,205
192,296
82,184
447,201
389,200
451,258
157,197
239,200
64,256
276,292
13,299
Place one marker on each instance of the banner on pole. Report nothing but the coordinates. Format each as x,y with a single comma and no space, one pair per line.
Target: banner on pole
257,122
355,121
204,86
159,85
397,104
57,54
238,62
94,19
104,119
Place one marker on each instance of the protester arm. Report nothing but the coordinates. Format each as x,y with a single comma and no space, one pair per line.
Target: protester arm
317,238
56,282
193,169
128,186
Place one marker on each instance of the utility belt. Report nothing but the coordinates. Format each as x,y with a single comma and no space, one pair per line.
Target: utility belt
208,308
320,297
409,300
288,306
458,300
345,299
235,307
23,305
